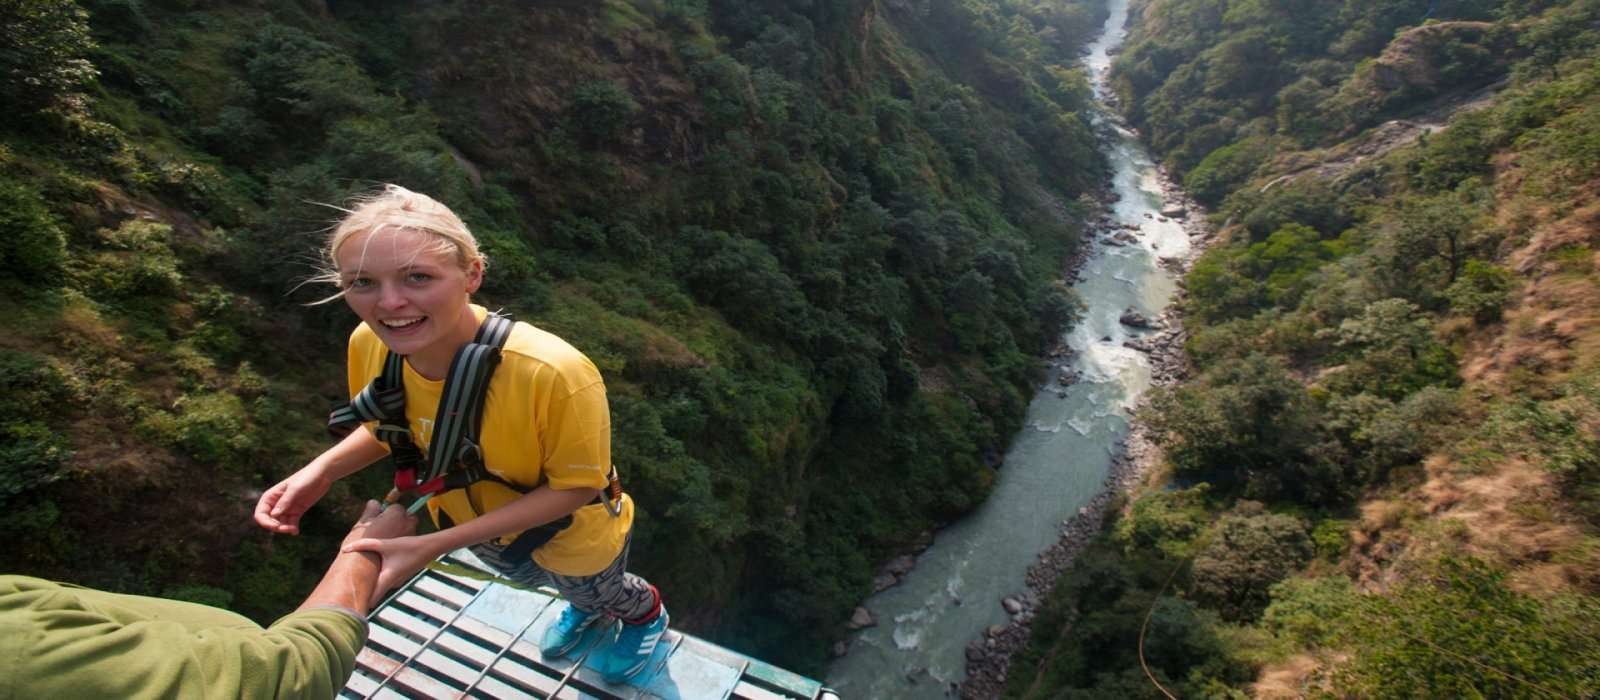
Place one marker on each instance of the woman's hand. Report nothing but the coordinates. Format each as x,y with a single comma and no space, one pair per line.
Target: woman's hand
381,522
280,508
402,558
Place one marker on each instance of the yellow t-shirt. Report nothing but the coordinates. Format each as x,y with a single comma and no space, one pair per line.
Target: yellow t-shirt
545,421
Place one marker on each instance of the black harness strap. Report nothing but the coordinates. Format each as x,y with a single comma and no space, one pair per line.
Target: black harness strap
458,421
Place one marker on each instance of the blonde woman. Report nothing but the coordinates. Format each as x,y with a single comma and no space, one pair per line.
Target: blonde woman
535,504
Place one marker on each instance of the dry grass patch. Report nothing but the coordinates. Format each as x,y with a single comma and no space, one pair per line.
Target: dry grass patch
1510,515
1300,676
1553,327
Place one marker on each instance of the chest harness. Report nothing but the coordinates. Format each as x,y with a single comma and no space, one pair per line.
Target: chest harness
455,459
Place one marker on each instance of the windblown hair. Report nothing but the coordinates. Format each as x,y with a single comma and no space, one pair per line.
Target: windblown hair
390,209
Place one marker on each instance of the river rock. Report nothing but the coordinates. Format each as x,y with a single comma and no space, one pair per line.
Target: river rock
1012,605
1176,211
840,648
901,565
883,582
1134,319
861,619
995,630
974,650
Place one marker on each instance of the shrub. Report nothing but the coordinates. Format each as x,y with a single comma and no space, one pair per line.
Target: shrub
601,110
31,454
32,247
139,263
1459,631
1310,611
1168,521
1481,291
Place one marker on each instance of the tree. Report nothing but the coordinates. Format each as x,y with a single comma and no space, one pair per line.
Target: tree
43,44
1424,250
1246,424
1393,351
1248,554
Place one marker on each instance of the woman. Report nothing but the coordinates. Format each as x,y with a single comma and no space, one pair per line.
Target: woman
408,266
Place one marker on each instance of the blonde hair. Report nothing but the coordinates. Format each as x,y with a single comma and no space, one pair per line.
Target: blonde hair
395,208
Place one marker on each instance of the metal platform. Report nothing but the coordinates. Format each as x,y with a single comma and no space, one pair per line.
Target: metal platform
455,631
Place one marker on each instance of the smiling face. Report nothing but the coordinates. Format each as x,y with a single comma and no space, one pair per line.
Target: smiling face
410,287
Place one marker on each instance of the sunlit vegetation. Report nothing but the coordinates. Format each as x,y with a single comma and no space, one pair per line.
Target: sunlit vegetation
1389,442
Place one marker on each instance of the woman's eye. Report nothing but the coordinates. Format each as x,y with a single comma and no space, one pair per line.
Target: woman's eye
418,277
360,282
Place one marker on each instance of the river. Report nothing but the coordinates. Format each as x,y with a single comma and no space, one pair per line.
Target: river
1053,467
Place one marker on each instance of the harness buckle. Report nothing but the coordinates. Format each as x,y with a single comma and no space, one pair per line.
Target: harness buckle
612,498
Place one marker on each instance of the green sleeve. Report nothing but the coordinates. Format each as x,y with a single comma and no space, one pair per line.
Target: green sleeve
308,654
67,642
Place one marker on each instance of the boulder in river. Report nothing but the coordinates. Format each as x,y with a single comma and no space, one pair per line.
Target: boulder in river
862,619
1144,345
901,565
1175,211
883,582
1133,319
1012,605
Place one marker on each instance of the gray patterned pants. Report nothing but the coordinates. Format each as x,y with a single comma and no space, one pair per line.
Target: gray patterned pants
613,591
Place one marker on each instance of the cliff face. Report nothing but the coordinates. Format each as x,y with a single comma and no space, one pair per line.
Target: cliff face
766,223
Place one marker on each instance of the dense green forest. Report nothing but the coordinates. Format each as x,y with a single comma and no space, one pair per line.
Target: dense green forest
814,246
1381,479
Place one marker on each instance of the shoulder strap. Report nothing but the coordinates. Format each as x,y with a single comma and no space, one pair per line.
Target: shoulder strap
460,416
460,410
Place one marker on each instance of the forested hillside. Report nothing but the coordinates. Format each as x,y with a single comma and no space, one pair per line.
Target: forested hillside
1381,477
813,246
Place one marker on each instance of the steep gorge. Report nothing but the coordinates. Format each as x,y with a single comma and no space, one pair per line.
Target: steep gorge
812,246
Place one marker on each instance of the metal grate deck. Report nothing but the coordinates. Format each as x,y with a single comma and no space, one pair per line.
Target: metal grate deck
455,632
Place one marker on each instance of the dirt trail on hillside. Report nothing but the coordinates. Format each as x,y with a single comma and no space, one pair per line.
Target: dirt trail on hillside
1339,160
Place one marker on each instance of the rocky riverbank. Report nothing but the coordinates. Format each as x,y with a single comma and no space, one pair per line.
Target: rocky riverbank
989,657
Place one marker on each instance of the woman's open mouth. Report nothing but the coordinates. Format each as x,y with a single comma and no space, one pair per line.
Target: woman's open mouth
402,325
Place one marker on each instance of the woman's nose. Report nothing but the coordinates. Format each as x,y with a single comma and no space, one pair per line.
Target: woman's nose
391,297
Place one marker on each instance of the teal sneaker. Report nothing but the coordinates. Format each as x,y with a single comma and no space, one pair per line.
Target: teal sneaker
565,633
627,656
